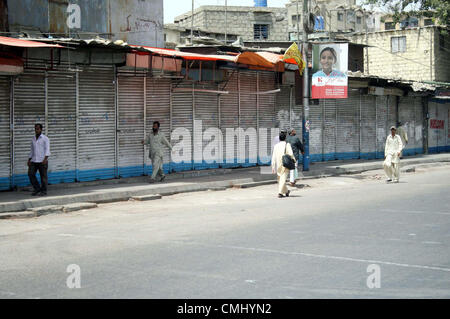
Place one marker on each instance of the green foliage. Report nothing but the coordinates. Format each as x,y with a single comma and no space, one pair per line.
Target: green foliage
439,10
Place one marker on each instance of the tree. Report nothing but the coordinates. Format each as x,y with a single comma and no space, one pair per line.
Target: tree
438,10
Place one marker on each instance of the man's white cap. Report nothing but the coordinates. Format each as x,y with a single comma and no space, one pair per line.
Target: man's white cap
393,128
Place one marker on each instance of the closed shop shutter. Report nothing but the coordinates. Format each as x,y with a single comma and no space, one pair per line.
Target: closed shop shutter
182,119
207,150
368,125
283,107
269,109
62,95
229,117
433,133
441,124
97,123
407,114
5,136
348,126
418,133
158,95
315,135
131,125
330,129
392,114
248,118
29,109
382,124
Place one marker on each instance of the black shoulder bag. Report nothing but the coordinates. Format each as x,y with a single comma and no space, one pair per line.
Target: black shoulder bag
288,161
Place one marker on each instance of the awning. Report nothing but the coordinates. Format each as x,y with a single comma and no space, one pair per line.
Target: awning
13,42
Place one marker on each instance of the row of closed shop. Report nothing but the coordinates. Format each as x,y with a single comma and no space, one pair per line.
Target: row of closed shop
96,119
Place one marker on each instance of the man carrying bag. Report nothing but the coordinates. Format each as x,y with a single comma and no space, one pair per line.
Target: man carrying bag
282,162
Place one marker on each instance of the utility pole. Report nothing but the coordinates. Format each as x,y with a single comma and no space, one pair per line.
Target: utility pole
306,123
226,21
367,44
192,23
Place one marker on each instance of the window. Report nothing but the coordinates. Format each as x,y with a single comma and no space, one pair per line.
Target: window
389,26
398,44
340,16
428,22
296,18
261,31
358,20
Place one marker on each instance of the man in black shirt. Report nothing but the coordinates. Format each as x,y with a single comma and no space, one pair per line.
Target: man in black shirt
297,147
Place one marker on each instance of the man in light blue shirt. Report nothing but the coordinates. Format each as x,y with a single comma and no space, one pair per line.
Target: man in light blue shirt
38,161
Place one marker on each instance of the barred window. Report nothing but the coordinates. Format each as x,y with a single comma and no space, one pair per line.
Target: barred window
398,44
261,31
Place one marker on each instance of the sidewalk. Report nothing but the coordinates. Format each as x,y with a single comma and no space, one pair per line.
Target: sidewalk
70,197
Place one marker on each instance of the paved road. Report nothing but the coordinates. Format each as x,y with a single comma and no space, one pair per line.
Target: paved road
244,244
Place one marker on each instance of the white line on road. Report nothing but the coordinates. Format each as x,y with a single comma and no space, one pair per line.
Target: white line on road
324,256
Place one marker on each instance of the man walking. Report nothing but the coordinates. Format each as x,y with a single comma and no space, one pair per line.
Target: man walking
277,164
297,147
155,141
38,161
402,133
393,149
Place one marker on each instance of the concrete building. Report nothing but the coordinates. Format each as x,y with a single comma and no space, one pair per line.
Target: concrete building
269,24
416,53
133,21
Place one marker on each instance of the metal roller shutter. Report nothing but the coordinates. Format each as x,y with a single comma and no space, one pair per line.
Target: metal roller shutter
158,100
131,125
348,141
315,134
368,127
248,118
392,114
62,104
283,107
330,129
433,134
442,116
229,117
382,124
207,120
29,109
182,119
5,134
407,114
97,123
267,113
418,142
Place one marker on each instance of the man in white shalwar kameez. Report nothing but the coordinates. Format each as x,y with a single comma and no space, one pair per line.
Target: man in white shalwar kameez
392,152
277,164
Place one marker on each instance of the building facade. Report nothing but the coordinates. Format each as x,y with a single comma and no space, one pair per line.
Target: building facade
416,53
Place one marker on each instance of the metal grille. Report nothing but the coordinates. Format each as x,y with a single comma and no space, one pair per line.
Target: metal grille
29,109
248,118
5,136
368,127
182,119
131,125
330,129
158,100
392,114
61,92
407,114
229,117
418,142
315,134
283,107
267,116
97,123
382,124
348,142
207,117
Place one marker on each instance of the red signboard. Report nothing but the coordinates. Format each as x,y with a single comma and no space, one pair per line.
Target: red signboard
437,124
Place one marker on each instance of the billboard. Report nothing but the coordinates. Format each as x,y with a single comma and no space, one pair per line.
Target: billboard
330,66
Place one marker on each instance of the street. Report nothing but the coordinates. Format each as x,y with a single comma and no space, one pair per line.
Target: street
244,243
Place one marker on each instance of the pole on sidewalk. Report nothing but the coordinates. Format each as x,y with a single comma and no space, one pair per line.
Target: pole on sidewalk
306,123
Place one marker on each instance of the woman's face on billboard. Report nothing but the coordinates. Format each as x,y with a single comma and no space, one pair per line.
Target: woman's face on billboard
327,61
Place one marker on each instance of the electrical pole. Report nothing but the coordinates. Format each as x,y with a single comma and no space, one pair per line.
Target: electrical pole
226,21
192,24
306,123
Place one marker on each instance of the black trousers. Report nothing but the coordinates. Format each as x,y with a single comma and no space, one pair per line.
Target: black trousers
34,167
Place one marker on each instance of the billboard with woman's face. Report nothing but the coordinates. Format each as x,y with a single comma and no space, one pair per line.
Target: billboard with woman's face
330,66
